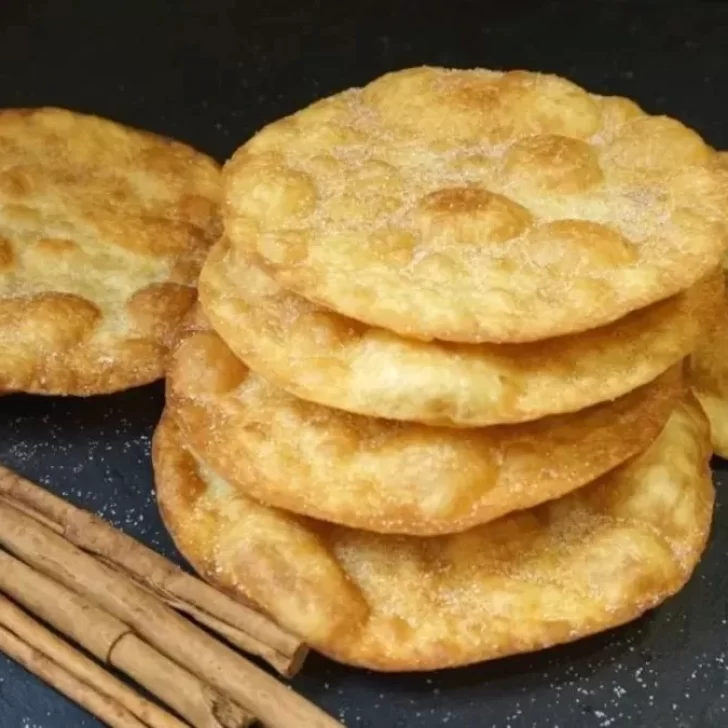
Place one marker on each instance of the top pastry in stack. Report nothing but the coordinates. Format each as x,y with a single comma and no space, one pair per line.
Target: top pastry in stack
433,409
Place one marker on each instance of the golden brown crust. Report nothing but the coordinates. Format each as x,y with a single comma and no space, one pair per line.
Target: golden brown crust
709,377
475,206
592,560
392,477
102,233
326,358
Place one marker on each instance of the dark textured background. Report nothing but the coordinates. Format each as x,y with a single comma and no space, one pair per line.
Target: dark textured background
210,73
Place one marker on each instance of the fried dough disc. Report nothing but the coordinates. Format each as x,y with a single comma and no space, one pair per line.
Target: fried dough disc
387,476
325,358
102,233
709,378
590,561
476,205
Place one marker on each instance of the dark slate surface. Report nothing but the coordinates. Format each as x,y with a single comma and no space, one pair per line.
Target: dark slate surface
210,73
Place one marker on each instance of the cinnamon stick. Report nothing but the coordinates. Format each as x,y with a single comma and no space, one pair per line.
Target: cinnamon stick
243,626
43,641
287,666
201,705
160,626
66,683
112,642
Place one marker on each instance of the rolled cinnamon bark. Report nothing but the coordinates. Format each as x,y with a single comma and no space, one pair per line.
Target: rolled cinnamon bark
112,642
239,623
37,661
255,690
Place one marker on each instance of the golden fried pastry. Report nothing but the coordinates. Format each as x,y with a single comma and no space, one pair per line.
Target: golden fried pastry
478,206
590,561
709,378
102,233
394,477
323,357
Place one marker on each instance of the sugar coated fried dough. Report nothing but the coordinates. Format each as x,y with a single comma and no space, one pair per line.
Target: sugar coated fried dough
323,357
592,560
709,378
475,206
392,477
102,233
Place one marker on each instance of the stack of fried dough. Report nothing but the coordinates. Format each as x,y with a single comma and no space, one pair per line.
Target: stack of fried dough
433,410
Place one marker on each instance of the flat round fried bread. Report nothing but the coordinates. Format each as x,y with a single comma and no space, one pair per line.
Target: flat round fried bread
325,358
595,559
709,378
476,205
394,477
102,233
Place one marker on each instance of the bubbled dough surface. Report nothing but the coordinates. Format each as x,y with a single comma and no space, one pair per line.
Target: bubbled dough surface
587,562
392,477
477,206
102,233
323,357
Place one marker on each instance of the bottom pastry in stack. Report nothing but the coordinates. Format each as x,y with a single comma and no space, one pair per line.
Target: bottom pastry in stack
592,560
598,555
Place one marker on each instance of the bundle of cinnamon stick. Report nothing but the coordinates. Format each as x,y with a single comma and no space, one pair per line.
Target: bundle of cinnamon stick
130,608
